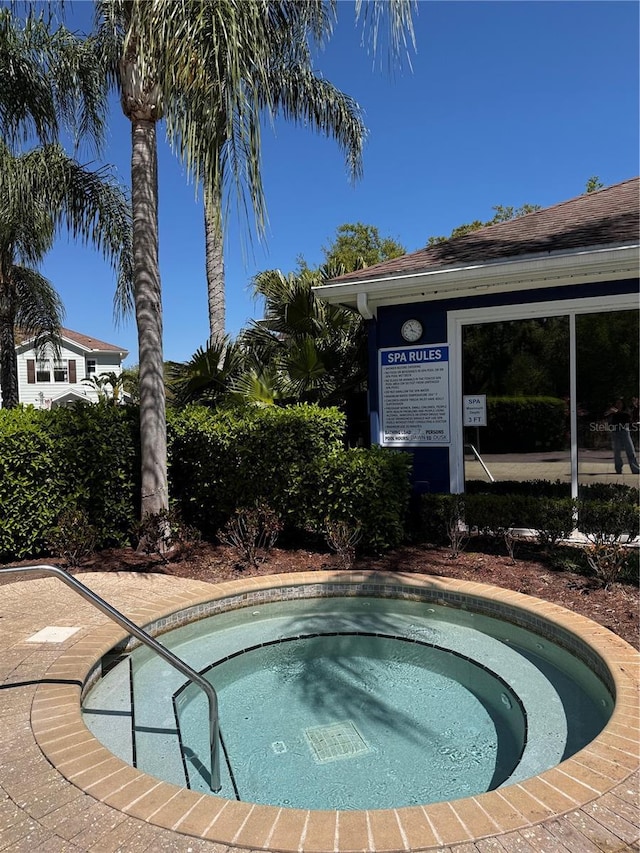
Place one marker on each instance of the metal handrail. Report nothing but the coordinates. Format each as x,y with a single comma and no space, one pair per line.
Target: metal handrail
151,643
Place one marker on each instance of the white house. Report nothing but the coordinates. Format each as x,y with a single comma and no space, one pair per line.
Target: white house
46,382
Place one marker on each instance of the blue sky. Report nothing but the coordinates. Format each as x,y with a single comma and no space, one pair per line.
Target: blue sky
507,103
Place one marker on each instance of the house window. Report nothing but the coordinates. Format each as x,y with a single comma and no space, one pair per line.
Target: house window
60,371
91,367
43,373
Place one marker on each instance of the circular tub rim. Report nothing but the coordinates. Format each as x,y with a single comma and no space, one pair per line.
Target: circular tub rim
610,758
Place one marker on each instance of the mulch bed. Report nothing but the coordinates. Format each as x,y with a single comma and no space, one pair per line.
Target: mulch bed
617,608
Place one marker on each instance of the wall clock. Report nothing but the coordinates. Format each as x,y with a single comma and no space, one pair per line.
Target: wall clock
411,330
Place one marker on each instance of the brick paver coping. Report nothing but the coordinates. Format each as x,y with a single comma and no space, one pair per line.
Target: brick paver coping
88,799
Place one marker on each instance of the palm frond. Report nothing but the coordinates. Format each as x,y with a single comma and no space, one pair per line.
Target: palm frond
50,79
208,375
39,310
399,37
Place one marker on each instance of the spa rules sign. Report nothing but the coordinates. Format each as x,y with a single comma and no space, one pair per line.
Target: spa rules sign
414,395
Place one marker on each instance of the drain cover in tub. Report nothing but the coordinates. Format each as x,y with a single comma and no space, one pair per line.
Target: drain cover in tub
335,741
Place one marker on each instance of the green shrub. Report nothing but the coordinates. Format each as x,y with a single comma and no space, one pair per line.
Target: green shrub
32,483
497,516
366,488
342,538
431,527
443,521
553,519
530,488
85,459
82,458
98,445
608,492
73,538
291,459
525,424
606,522
251,532
222,460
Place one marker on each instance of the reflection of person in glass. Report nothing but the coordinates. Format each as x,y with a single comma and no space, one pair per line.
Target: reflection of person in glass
619,422
635,420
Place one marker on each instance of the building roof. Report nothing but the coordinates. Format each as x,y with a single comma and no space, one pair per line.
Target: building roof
87,342
604,217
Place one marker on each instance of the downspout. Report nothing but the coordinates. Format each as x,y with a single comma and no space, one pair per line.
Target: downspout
363,306
368,316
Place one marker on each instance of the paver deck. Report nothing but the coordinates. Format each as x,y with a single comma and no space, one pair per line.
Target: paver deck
60,790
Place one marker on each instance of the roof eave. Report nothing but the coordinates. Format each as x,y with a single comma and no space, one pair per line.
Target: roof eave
27,342
513,274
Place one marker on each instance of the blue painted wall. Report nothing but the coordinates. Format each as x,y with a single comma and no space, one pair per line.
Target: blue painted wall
431,464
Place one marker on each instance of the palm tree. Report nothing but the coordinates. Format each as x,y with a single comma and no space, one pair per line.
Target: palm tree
175,60
300,96
50,80
208,378
41,191
157,54
311,350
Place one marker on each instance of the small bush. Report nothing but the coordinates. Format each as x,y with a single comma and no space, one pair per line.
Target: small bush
609,521
444,521
610,526
252,532
431,527
342,538
73,538
554,519
497,516
166,535
607,560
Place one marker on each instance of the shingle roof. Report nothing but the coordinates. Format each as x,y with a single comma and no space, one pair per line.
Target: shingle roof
89,342
607,216
85,341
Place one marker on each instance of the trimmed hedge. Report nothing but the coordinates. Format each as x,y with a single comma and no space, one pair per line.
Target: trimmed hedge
221,460
555,489
554,518
87,458
84,457
291,458
367,488
530,488
524,424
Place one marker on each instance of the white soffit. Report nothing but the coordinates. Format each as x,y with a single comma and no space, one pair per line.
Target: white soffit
606,264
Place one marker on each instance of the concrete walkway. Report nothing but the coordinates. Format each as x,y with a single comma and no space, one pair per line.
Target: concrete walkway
595,466
41,811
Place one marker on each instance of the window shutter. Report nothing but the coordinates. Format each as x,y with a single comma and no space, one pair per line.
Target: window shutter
72,371
31,371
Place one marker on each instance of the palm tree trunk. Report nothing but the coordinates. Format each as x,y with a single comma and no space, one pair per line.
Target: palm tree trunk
8,360
215,267
148,306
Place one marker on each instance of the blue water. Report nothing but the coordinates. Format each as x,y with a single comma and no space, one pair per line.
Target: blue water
357,722
445,704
